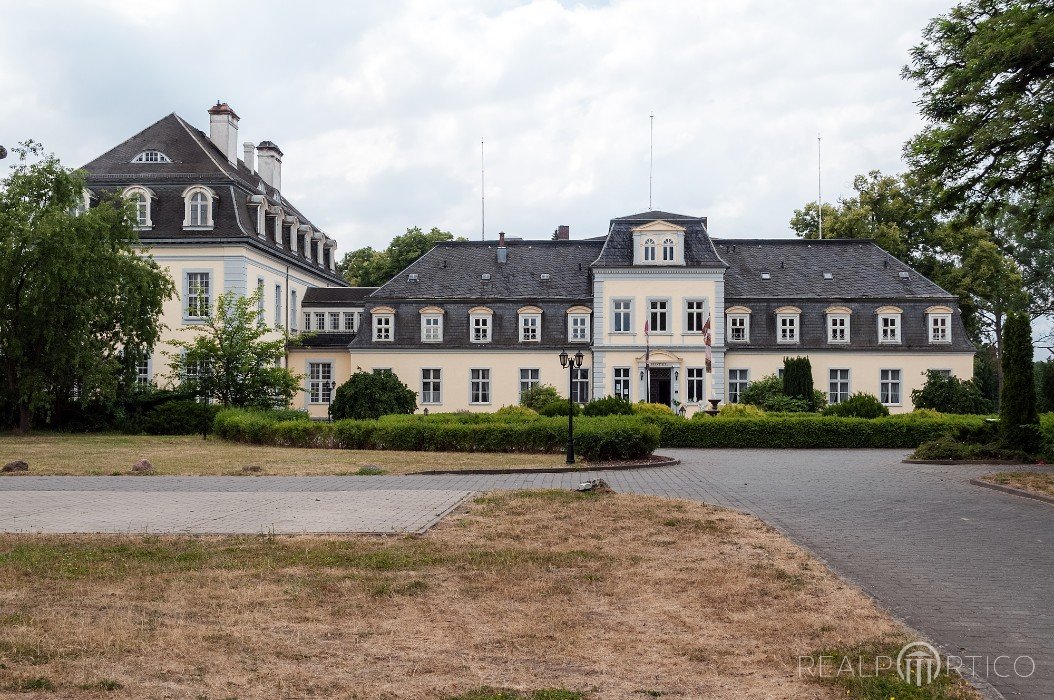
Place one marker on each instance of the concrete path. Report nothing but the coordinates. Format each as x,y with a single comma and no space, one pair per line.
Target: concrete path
971,568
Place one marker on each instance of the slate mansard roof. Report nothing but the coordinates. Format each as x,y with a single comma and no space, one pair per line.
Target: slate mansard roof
698,248
195,161
319,297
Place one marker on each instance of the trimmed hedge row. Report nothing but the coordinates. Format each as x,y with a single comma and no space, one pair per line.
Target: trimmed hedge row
595,438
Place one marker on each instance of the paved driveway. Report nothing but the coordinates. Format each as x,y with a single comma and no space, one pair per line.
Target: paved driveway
971,568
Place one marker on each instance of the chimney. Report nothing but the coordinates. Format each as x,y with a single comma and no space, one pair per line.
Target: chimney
503,252
270,164
223,130
249,156
562,233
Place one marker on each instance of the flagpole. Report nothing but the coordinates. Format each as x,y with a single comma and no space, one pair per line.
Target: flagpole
647,364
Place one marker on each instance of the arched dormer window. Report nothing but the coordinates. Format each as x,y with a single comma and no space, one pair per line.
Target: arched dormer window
142,197
151,157
668,253
649,250
198,207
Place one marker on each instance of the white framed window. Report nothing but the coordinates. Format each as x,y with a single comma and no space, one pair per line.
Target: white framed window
622,316
199,301
621,384
320,382
349,322
480,326
738,381
649,250
320,320
479,386
580,385
529,378
530,328
696,384
294,314
334,320
278,305
432,386
739,328
198,207
787,328
142,198
151,157
659,315
695,315
889,328
940,328
837,385
431,328
668,252
307,320
578,328
889,386
837,328
142,371
382,327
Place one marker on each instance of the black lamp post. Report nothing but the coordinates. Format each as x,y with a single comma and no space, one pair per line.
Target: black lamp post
571,363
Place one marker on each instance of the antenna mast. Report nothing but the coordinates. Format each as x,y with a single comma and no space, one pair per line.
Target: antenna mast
819,185
651,155
482,195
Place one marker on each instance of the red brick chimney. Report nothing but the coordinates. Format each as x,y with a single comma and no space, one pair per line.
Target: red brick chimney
562,233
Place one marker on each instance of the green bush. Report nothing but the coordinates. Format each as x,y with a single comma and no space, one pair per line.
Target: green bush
760,391
615,437
858,406
559,408
1018,419
949,394
538,396
797,380
372,395
737,410
516,413
767,393
945,447
661,410
184,417
608,406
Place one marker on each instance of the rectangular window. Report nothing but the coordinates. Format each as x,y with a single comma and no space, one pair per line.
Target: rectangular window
431,386
320,382
529,378
738,381
837,328
334,320
349,321
382,327
293,313
942,372
479,386
142,372
198,300
621,310
939,329
580,385
889,386
696,311
431,329
838,385
787,326
622,383
696,384
260,301
658,315
889,329
320,321
278,305
481,329
529,327
737,329
578,328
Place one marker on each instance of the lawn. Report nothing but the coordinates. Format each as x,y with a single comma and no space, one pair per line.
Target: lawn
541,594
1037,482
95,455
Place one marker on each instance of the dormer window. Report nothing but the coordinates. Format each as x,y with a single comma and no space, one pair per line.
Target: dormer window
480,323
889,324
738,324
530,324
142,198
838,324
383,324
198,207
658,243
667,250
649,250
151,157
578,324
787,318
939,322
431,324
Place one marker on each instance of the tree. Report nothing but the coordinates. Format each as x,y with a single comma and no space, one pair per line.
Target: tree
1018,419
538,396
986,373
77,301
797,380
370,395
366,267
1045,386
949,394
231,361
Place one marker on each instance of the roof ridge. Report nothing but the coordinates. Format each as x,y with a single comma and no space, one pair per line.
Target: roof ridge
145,128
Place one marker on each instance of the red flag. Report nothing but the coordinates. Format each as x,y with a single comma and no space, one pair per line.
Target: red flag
645,328
708,340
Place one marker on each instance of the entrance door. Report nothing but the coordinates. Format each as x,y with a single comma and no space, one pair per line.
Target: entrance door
660,386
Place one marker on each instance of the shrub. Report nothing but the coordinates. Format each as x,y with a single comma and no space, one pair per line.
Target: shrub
538,396
738,410
616,437
558,408
1018,418
372,395
945,447
608,406
661,410
797,380
762,390
949,394
183,417
858,406
516,413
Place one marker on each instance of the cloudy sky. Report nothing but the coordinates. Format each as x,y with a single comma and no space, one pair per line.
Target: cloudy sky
380,106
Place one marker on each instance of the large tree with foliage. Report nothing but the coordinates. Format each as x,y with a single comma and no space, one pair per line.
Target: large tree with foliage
235,358
77,300
366,267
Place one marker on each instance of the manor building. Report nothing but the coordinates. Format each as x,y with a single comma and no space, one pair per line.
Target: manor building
660,310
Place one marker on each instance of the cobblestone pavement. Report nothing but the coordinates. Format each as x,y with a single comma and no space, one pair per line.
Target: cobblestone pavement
971,568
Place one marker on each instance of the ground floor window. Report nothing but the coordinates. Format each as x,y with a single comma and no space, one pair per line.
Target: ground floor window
580,385
479,390
431,386
142,372
529,378
889,386
621,385
696,384
320,382
838,386
738,381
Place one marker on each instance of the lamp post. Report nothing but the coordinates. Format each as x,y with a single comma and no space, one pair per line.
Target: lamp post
571,363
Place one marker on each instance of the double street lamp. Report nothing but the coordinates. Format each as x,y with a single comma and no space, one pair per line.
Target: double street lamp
571,362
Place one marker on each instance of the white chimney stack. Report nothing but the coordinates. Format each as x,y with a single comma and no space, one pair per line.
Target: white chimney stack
249,155
223,130
269,166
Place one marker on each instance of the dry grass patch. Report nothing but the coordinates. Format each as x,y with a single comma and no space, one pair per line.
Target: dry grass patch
103,455
1038,482
541,595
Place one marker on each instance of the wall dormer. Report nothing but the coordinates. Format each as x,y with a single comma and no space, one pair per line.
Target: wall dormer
658,243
